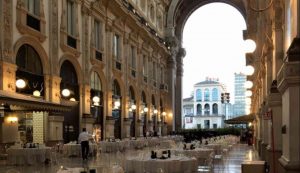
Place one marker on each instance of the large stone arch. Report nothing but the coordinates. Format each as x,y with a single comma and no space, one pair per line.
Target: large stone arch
38,48
75,63
180,10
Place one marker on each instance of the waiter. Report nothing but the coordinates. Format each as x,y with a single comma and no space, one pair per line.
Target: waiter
83,139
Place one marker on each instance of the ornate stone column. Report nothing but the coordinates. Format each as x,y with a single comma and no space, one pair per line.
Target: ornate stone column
178,93
171,79
289,87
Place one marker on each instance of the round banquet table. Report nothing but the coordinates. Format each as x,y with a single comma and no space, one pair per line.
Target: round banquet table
171,165
30,156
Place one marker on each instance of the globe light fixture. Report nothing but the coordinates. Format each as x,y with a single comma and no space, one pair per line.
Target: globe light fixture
130,110
250,46
96,99
250,124
164,113
20,83
155,111
249,70
145,109
36,93
248,84
248,93
66,92
248,101
133,107
73,99
117,104
96,104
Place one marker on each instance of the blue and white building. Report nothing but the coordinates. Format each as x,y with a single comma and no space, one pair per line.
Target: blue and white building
204,108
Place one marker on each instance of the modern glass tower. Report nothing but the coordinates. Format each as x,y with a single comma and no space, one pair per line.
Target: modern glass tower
239,95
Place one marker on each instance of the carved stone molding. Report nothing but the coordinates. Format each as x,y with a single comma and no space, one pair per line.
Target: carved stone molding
293,53
288,75
7,52
22,16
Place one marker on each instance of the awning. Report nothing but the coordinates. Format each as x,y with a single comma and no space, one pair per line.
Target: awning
30,103
244,119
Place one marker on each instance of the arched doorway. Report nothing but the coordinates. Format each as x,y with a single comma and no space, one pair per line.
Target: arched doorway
132,111
97,105
117,108
70,92
29,81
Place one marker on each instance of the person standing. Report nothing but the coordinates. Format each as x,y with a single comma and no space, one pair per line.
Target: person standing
83,139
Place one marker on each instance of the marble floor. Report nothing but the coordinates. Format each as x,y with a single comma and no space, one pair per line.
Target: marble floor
230,163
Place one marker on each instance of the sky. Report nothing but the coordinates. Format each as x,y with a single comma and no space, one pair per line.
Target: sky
213,40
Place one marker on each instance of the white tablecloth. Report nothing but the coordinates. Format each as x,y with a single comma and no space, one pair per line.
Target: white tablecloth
170,165
30,156
75,149
203,155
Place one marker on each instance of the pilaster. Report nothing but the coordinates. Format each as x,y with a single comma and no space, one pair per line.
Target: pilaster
289,86
8,76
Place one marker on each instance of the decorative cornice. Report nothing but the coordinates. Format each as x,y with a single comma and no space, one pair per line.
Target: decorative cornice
288,75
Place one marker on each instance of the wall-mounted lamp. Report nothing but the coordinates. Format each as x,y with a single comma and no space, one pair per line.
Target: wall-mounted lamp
248,84
249,70
20,83
155,111
145,109
248,93
133,107
250,124
96,100
73,99
250,46
164,113
66,92
130,110
36,93
117,104
248,101
12,119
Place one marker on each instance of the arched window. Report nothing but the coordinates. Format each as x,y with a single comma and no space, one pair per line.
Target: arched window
206,109
199,109
215,108
215,94
95,81
28,60
29,69
198,95
206,95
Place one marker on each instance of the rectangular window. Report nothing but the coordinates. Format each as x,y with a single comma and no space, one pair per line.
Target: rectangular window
145,66
71,18
33,7
116,47
97,30
133,59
